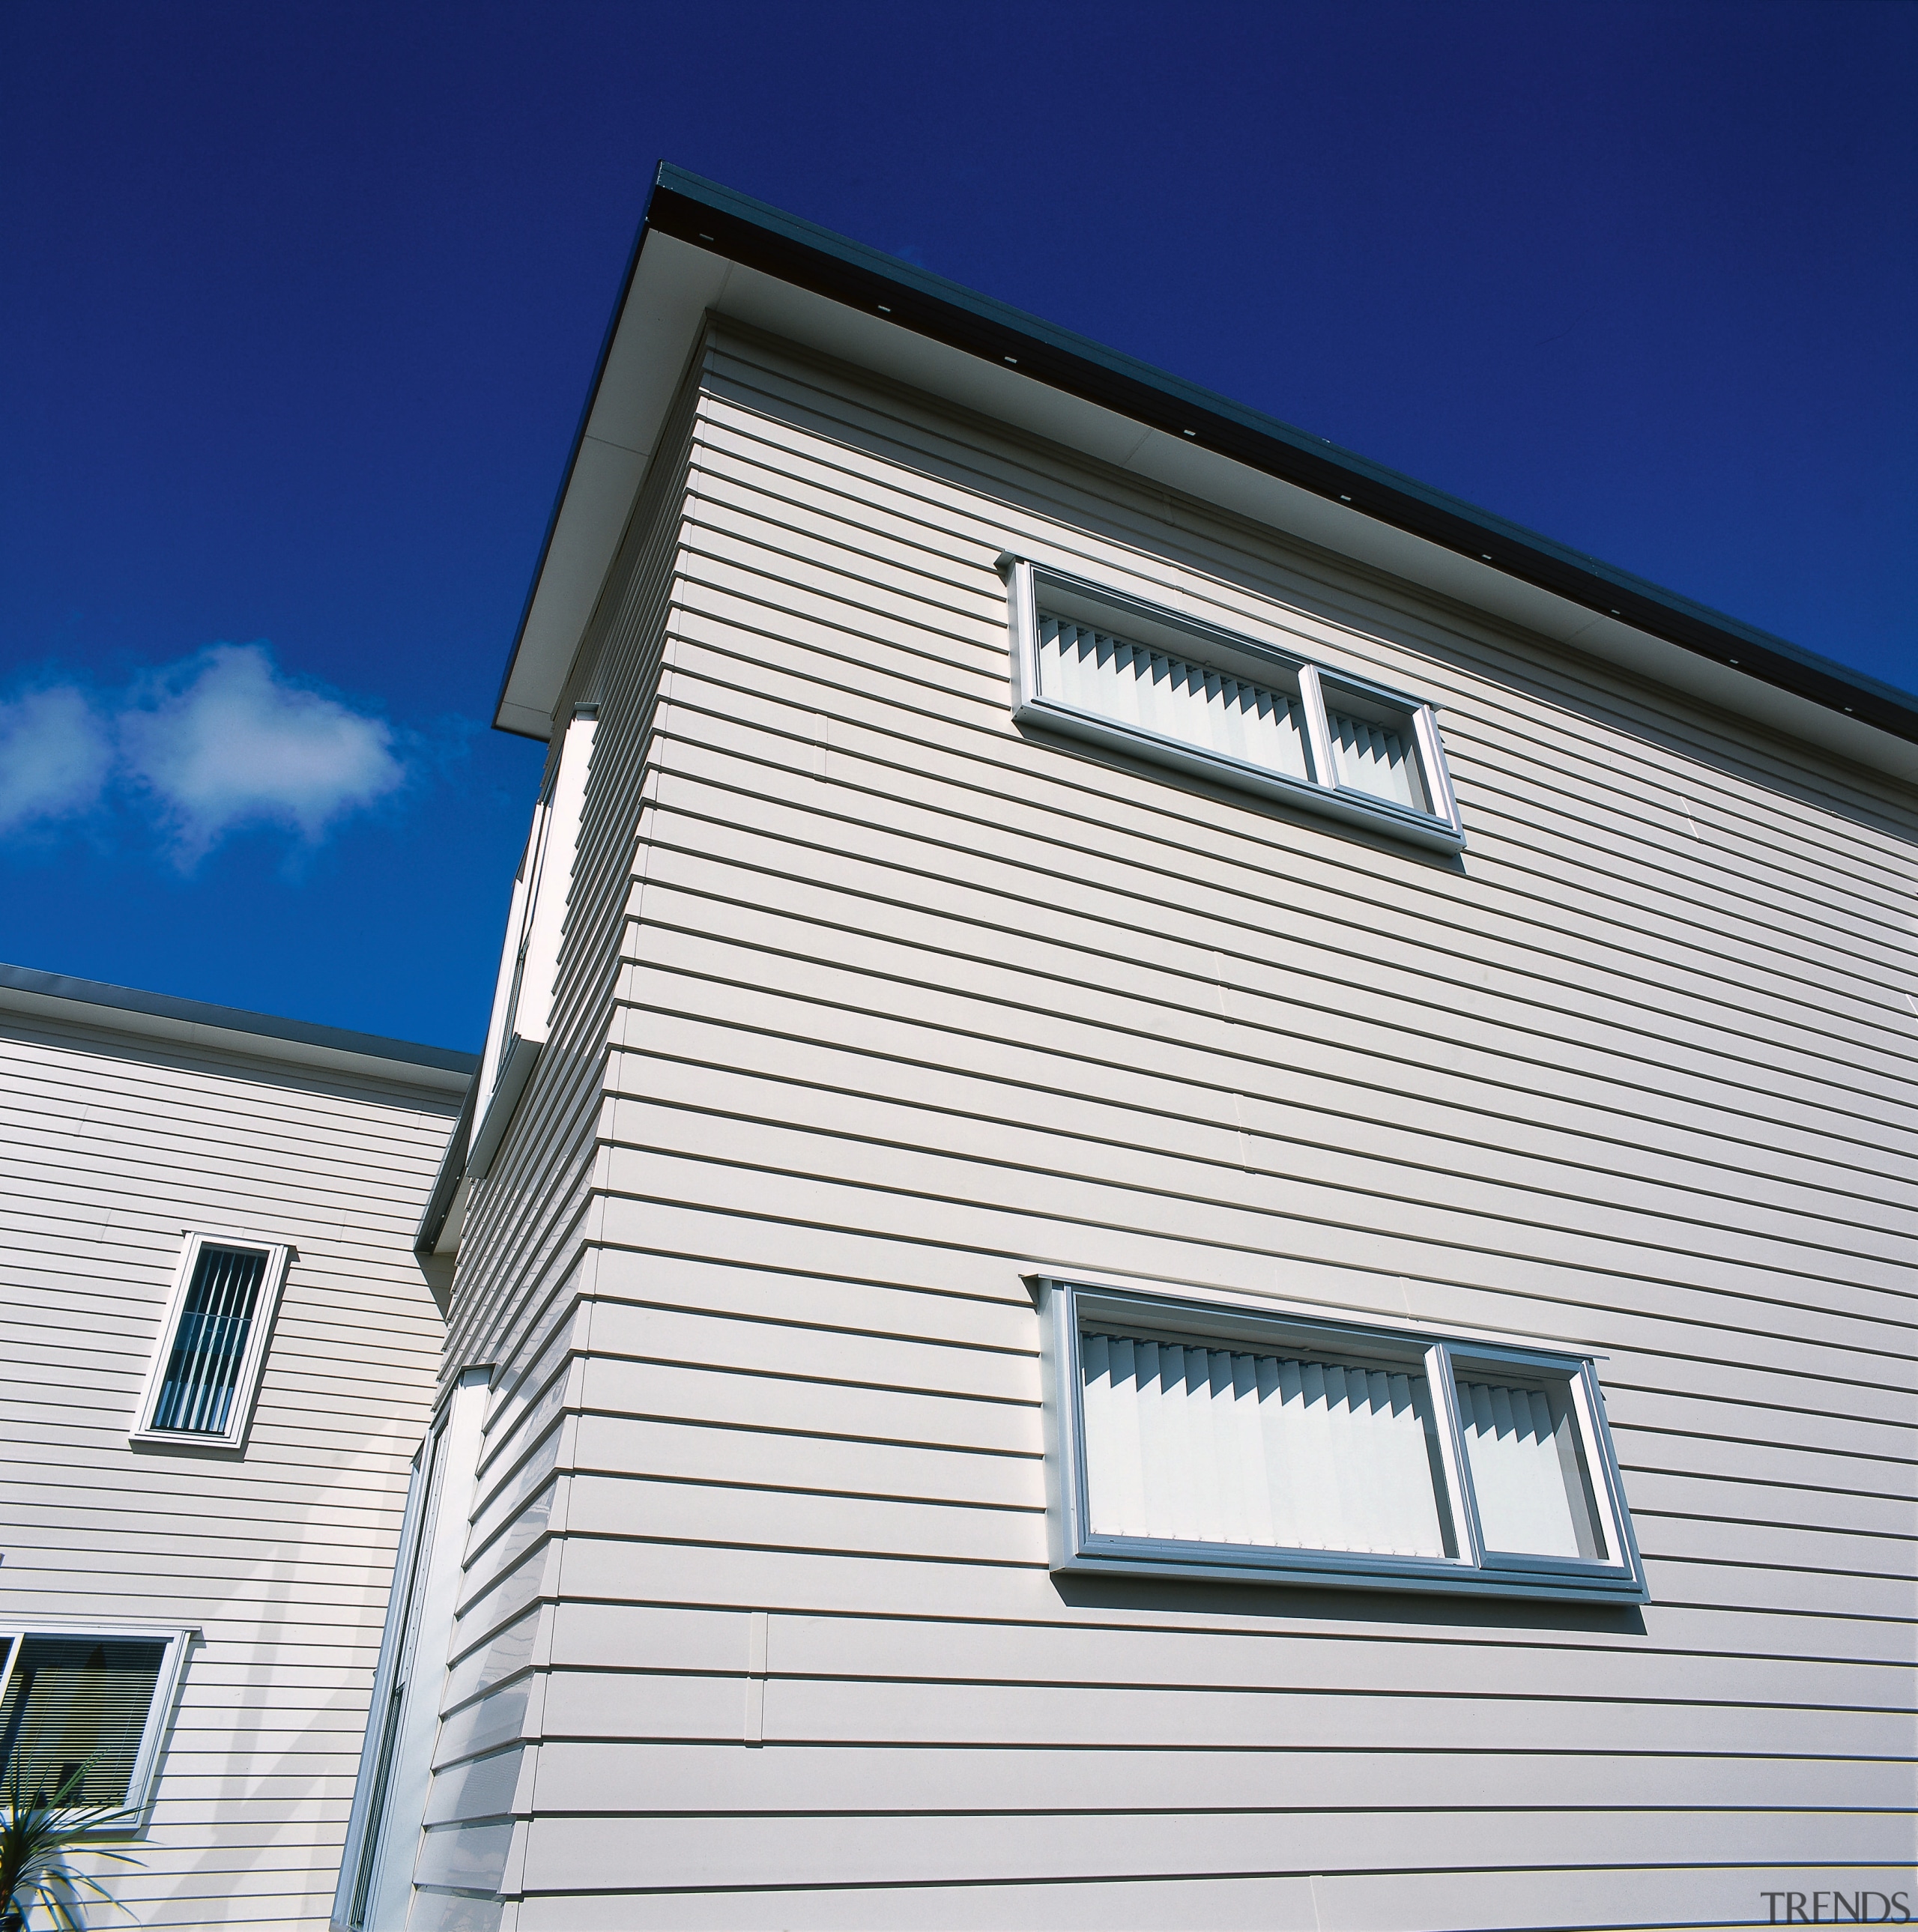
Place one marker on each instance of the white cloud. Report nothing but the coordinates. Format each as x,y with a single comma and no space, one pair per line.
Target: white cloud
55,756
218,742
224,742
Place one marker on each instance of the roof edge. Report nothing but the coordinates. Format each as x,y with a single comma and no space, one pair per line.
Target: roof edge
739,229
572,455
441,1061
693,209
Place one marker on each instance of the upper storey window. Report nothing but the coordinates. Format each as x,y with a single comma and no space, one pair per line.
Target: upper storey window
1109,667
200,1388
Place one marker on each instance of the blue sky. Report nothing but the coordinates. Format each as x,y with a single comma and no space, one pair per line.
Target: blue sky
300,303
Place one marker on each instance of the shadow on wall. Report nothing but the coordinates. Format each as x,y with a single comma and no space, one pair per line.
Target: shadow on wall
1263,1606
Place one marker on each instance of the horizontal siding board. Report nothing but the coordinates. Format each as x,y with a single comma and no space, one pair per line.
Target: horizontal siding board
875,1003
696,1852
281,1558
913,1417
786,1174
928,465
1788,1028
653,1640
627,1571
743,893
1567,725
587,1779
1583,949
744,487
624,1445
691,983
845,1711
703,1065
924,888
787,1521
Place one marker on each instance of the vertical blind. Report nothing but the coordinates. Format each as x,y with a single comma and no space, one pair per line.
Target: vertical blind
1193,702
1532,1494
1216,1444
1375,760
203,1370
74,1703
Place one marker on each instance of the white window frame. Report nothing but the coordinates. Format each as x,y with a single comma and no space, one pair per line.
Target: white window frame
383,1827
1033,588
526,993
1068,1303
252,1363
133,1815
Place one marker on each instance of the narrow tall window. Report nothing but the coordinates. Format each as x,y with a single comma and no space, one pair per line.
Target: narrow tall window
207,1366
203,1369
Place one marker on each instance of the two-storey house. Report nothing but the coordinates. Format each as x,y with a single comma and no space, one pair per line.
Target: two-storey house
1191,1202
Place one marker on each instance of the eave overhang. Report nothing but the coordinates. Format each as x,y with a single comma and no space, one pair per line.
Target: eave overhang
702,247
92,1003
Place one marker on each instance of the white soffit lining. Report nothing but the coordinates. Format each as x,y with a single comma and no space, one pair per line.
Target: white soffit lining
676,283
673,286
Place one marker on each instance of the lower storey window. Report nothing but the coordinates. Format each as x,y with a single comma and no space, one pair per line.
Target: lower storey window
1191,1437
80,1714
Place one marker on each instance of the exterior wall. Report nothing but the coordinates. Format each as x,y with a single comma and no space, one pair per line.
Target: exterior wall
280,1556
898,1004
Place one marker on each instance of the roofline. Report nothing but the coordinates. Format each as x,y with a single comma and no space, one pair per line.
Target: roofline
441,1060
750,233
579,437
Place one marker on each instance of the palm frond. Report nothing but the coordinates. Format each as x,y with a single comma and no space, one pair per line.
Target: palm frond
38,1836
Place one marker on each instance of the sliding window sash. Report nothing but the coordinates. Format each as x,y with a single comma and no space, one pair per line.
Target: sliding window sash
1412,799
1080,1541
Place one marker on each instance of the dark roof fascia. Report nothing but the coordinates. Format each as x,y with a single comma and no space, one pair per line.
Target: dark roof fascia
234,1019
781,245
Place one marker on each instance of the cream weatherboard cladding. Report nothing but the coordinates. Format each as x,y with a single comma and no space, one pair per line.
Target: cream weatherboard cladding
263,1566
872,1004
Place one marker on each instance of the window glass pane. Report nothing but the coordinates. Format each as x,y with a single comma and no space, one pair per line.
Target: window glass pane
1377,757
75,1701
1527,1471
1194,703
202,1371
1201,1442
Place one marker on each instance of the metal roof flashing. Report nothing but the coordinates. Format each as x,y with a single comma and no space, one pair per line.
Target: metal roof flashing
702,248
124,1010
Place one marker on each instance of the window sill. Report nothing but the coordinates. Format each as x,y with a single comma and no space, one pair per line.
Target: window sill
1353,808
1231,1562
184,1442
